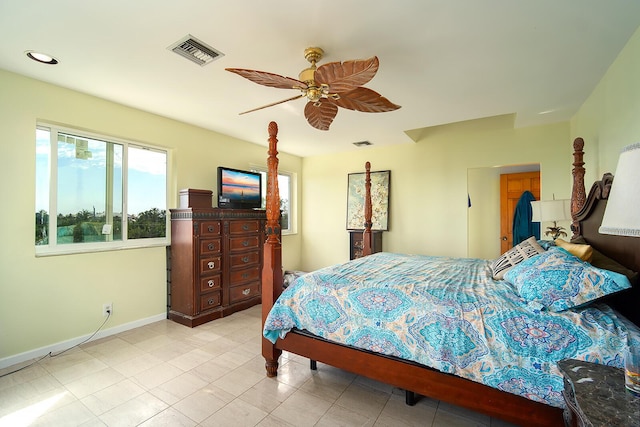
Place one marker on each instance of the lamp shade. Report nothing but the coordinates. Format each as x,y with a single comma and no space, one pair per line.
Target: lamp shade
551,210
622,214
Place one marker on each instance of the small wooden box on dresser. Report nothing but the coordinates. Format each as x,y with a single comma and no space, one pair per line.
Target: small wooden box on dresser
216,259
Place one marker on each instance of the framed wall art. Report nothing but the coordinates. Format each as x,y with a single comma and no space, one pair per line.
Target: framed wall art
380,181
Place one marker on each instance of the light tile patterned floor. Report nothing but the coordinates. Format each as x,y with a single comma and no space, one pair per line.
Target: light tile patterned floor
166,374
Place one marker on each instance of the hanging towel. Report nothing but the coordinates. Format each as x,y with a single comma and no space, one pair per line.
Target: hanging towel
523,227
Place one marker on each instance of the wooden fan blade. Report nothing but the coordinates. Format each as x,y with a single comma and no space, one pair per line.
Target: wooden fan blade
269,79
272,104
365,100
348,75
320,114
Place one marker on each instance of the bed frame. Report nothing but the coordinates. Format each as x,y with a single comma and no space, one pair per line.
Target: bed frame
587,214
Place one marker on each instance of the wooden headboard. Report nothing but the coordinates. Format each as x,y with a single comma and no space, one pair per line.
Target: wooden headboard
587,213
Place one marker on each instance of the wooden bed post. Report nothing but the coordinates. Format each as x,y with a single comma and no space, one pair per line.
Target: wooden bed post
272,261
578,193
366,234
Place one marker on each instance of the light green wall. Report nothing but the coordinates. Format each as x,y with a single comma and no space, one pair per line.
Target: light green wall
483,217
610,117
428,196
49,300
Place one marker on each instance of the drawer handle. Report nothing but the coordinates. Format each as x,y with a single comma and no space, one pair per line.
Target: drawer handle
211,246
211,229
211,265
245,259
211,283
211,301
245,243
245,275
246,292
245,227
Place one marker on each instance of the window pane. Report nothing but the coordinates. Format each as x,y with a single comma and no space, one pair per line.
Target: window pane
146,195
284,184
89,193
283,187
43,148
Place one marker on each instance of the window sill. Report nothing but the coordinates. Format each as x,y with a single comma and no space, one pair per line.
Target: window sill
84,248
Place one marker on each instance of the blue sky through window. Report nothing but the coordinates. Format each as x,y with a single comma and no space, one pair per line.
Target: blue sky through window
82,181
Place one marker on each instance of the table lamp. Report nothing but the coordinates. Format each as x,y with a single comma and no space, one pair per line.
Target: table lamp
622,214
552,211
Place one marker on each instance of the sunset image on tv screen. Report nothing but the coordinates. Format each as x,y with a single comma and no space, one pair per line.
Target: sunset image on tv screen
240,186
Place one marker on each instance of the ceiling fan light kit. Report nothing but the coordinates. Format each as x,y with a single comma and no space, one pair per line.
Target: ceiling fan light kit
332,85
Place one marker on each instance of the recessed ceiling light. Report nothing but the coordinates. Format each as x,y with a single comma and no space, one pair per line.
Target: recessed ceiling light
41,57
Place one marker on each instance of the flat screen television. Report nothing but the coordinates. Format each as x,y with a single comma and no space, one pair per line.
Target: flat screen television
239,189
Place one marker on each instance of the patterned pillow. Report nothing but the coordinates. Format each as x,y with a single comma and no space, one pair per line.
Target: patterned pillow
558,280
515,255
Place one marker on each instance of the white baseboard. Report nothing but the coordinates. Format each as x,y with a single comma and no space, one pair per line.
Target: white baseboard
63,345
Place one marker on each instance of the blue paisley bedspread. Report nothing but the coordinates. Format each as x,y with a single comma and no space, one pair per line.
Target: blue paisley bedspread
449,314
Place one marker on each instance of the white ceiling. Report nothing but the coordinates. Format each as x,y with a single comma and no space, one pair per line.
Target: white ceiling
443,61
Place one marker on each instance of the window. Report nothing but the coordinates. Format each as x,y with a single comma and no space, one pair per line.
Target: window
97,193
285,190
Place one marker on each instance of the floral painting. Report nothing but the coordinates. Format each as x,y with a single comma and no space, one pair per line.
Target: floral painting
379,200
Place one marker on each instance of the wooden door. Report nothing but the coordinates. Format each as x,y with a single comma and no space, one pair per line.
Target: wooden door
511,188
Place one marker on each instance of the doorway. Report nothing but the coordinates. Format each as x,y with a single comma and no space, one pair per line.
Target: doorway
512,186
483,214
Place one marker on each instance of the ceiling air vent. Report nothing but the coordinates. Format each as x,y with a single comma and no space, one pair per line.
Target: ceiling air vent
362,143
195,50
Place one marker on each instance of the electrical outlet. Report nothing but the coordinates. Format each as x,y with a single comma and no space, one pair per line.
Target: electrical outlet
107,309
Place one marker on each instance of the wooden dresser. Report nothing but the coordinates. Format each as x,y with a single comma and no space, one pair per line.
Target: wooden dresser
216,262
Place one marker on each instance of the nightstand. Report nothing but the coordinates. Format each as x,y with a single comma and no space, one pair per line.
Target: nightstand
356,243
595,395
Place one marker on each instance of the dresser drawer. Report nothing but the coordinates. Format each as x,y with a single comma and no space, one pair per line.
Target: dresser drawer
243,243
210,300
210,283
209,246
210,265
241,260
209,228
241,227
244,275
238,293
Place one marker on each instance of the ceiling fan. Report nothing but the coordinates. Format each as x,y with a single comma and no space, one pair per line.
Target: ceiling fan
327,87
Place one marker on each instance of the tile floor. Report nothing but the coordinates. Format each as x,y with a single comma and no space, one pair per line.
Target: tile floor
166,374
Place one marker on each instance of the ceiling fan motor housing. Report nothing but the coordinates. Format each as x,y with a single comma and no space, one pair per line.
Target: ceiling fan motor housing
308,75
313,55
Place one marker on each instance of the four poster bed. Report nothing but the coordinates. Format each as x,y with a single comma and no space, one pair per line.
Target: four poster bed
521,383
